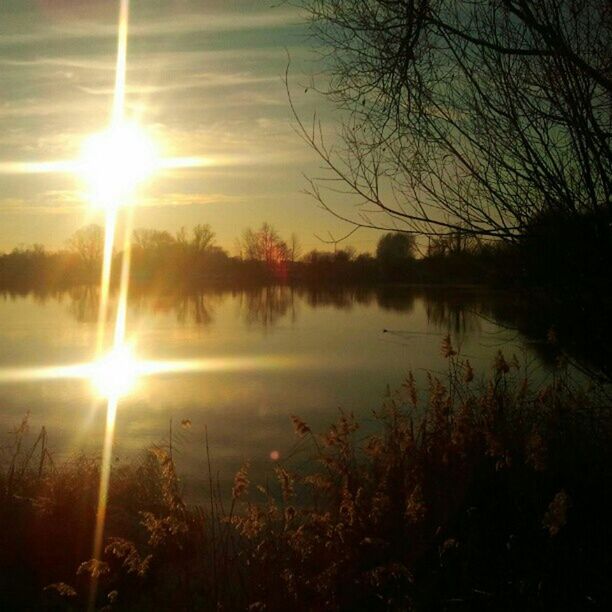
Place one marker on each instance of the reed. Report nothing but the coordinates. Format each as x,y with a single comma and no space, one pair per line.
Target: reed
478,492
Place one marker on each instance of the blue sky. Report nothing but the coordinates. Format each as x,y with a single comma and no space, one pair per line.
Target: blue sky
204,77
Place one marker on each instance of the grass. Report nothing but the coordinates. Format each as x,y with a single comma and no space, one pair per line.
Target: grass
474,494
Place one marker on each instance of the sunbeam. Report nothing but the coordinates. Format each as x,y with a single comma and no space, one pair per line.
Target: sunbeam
41,167
121,181
113,163
110,223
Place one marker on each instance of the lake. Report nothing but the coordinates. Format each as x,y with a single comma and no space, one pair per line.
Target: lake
279,351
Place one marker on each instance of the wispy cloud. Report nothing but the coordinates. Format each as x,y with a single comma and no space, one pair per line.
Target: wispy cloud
70,202
203,77
176,24
208,80
85,63
218,22
50,202
189,199
150,59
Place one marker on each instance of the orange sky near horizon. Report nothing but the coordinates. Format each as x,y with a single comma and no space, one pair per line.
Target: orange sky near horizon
205,79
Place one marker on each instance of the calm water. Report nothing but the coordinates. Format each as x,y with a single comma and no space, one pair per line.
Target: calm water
302,352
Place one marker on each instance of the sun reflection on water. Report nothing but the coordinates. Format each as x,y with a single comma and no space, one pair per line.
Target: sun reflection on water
113,163
115,374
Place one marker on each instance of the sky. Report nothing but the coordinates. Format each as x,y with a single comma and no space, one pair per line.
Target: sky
204,78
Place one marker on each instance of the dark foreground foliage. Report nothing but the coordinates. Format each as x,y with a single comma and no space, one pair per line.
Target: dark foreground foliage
477,495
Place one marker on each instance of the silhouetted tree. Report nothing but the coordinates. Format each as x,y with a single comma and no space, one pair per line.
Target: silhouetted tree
467,116
395,247
152,240
563,249
203,238
264,245
159,255
454,244
294,248
88,244
395,251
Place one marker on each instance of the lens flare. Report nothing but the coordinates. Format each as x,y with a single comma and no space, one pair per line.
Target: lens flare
114,375
115,162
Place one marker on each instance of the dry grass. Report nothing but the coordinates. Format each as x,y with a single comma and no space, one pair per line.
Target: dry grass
472,494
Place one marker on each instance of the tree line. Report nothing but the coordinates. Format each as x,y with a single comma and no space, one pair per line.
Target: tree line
262,255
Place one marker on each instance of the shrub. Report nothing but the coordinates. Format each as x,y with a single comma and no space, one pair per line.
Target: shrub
472,493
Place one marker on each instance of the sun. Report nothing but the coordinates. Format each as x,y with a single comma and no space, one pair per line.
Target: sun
115,375
115,162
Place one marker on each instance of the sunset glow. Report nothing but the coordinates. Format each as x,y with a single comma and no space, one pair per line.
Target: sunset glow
115,375
305,305
115,162
118,161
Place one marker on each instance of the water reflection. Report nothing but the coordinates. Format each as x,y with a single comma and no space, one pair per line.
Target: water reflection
198,308
265,307
326,346
454,315
584,334
84,302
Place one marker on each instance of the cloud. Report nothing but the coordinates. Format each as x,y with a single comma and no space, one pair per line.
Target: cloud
189,199
172,24
177,59
84,62
218,22
60,202
209,80
50,202
40,107
207,86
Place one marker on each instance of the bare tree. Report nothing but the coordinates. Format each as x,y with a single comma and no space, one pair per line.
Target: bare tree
264,244
294,248
182,238
466,116
152,239
203,238
88,244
